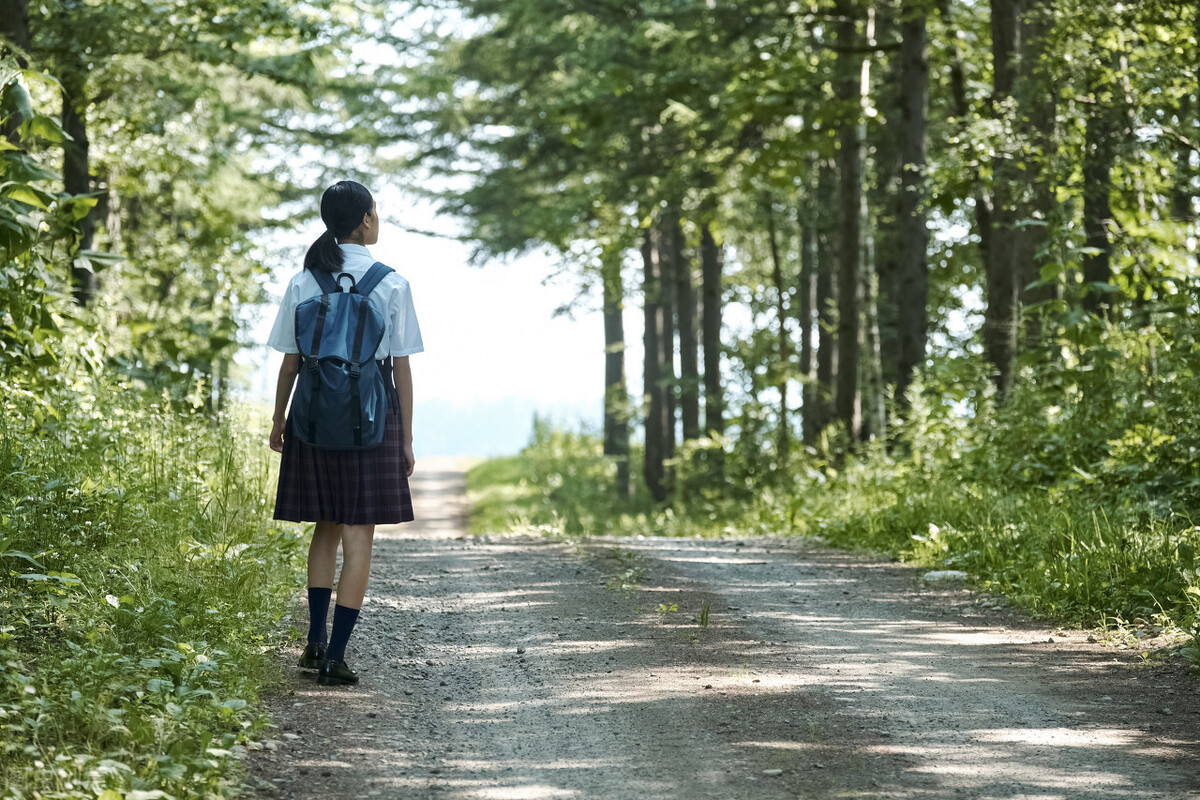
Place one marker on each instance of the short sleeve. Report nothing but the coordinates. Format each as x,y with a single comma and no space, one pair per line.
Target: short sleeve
406,333
283,333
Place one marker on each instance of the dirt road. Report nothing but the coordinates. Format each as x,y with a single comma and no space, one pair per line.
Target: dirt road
520,668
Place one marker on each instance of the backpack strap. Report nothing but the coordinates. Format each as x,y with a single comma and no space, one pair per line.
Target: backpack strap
375,274
318,331
356,369
325,280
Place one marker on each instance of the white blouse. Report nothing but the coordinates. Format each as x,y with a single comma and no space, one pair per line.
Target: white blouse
392,298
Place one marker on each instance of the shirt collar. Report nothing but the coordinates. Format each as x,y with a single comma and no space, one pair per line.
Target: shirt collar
356,248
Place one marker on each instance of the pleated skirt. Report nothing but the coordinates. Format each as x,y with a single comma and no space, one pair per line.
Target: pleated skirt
347,487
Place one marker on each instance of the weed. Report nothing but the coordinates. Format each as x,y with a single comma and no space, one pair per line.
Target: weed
626,581
141,586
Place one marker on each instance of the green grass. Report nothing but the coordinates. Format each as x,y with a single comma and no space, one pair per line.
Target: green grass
501,495
142,583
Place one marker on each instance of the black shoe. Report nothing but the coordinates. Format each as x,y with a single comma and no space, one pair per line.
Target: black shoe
314,656
336,673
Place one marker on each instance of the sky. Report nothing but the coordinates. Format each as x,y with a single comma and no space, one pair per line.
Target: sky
494,351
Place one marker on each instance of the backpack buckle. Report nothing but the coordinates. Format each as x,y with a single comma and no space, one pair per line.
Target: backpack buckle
355,371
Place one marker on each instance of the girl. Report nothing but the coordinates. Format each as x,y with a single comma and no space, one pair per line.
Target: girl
347,493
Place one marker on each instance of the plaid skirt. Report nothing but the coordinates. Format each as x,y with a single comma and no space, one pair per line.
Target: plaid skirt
347,487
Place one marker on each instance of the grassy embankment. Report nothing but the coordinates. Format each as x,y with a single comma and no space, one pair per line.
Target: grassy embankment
142,584
1062,552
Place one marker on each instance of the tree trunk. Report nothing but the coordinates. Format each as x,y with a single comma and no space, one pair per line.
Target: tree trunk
714,397
668,266
1037,113
806,291
685,312
874,401
912,234
656,400
1097,206
616,398
1000,317
1181,193
14,27
782,367
850,64
886,163
77,180
982,199
1184,190
827,349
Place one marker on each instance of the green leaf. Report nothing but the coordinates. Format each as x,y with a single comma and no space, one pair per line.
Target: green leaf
19,554
44,127
24,193
17,95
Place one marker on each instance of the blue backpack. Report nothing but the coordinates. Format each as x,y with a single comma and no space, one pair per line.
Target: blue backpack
340,402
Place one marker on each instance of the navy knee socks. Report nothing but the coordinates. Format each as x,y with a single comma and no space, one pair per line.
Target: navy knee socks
343,623
318,609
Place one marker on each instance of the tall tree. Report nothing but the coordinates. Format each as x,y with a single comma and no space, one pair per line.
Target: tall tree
784,354
848,89
912,231
960,111
714,396
685,314
827,299
806,292
1037,123
616,396
77,179
657,410
668,265
1098,157
1001,314
1183,196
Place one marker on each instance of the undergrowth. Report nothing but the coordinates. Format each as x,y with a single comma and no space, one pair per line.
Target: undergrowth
1074,503
141,585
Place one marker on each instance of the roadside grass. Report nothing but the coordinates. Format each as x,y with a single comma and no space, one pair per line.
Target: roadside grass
501,496
1077,552
142,583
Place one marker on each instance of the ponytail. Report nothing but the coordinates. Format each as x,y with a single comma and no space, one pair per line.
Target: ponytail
343,207
324,254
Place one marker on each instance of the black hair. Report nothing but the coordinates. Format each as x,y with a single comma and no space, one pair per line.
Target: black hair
343,206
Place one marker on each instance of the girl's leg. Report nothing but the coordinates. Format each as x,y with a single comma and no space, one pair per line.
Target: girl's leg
352,586
322,554
356,564
322,561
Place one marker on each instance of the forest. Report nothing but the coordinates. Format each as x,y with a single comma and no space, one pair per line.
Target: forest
918,277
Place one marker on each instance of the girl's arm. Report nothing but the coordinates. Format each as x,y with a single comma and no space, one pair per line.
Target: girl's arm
283,392
403,375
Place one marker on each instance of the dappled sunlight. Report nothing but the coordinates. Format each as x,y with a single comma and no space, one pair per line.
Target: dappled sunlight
525,792
1058,737
543,683
783,745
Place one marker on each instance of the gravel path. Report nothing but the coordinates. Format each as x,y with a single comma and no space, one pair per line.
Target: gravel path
514,667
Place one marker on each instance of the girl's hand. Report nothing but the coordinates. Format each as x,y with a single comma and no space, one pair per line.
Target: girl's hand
277,436
410,460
